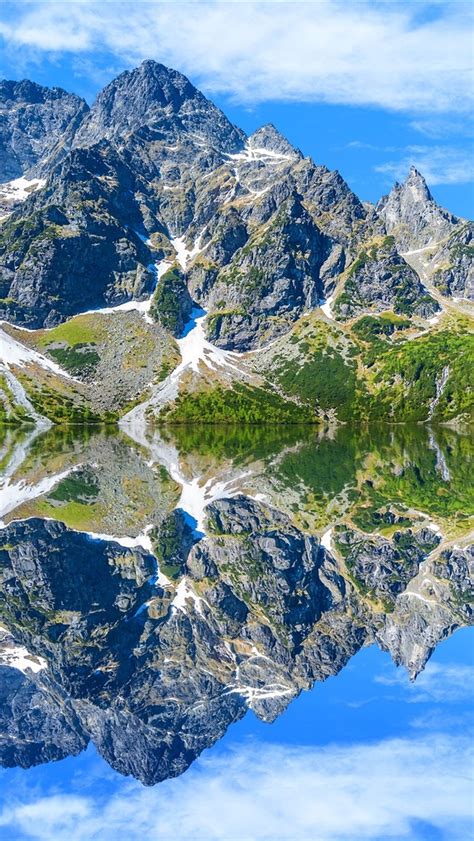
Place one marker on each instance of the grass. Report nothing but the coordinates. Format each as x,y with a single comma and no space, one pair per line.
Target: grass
62,407
75,515
80,486
406,377
80,330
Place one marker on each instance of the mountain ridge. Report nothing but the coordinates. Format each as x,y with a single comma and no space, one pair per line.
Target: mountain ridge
155,179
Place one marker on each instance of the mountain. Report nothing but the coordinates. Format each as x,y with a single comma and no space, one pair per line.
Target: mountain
411,214
152,200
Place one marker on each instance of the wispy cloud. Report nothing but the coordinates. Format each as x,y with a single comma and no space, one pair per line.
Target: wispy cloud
439,164
394,55
439,683
273,793
437,128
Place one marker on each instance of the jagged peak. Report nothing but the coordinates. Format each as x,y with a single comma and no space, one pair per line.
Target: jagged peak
412,206
160,81
153,93
416,184
269,137
32,93
413,190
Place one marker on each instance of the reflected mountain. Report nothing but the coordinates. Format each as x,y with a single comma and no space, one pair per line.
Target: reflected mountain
154,588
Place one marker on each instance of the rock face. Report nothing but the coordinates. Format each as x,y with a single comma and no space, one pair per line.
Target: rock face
154,671
77,249
274,276
34,121
268,233
37,723
380,279
453,264
384,567
411,214
269,139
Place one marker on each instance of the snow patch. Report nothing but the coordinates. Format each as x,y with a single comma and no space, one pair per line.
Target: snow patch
251,694
326,307
17,656
259,153
142,540
326,540
434,526
195,348
259,497
13,352
196,495
425,248
20,188
13,495
185,592
184,255
414,595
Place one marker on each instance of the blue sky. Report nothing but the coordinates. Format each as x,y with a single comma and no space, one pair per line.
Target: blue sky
365,87
365,755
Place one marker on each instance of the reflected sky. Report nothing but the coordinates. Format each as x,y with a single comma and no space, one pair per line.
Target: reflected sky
363,755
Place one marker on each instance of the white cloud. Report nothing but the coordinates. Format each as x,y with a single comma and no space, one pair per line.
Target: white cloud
439,164
273,793
438,683
384,54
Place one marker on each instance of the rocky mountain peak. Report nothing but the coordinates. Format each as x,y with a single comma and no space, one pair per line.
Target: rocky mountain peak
153,94
26,91
33,119
416,187
412,215
268,137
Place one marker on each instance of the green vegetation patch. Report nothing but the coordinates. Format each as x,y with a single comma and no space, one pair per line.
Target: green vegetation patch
240,404
61,408
80,486
80,359
408,375
166,305
370,327
323,379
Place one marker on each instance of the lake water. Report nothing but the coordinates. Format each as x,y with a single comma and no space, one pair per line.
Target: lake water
210,632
